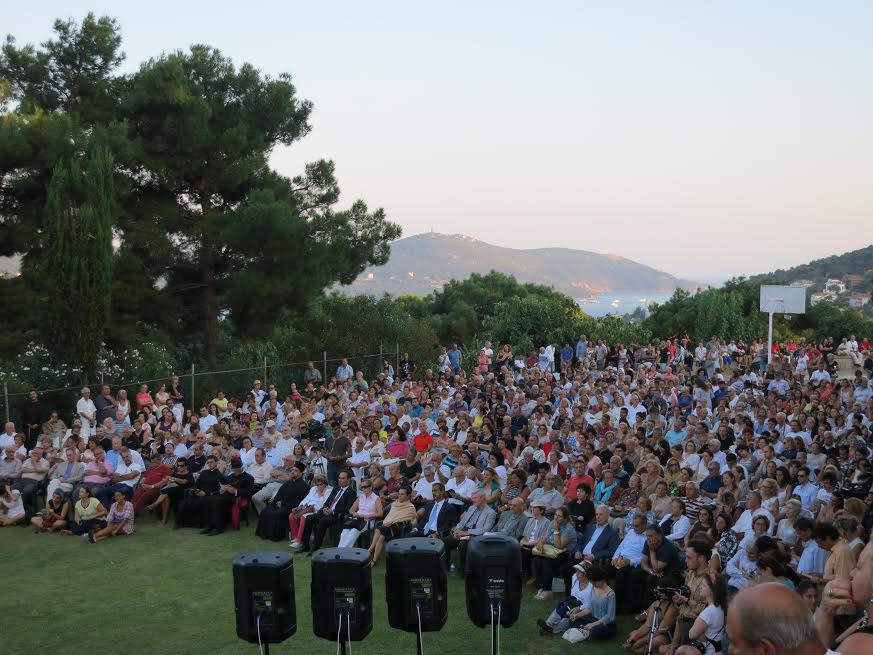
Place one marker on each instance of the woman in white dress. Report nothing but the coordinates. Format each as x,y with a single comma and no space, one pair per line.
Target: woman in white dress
307,508
11,506
690,458
123,406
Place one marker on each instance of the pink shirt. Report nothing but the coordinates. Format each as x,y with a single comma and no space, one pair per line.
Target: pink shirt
91,475
398,448
124,517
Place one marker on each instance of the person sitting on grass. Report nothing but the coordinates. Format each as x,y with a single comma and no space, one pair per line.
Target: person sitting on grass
87,514
638,640
597,621
54,516
708,628
11,506
119,521
580,596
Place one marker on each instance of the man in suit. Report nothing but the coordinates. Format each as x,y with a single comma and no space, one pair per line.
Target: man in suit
333,512
599,540
511,523
476,521
437,518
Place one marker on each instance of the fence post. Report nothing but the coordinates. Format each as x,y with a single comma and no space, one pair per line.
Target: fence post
324,379
101,378
6,400
193,397
265,371
397,363
381,359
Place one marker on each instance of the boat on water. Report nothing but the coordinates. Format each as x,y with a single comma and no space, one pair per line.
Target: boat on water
643,301
615,302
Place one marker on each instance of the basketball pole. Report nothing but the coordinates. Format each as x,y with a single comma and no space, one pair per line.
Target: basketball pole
770,337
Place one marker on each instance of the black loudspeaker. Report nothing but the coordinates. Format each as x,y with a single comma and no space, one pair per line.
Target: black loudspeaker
342,591
493,580
263,593
415,582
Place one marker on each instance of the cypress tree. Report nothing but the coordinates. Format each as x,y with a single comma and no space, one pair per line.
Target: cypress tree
76,267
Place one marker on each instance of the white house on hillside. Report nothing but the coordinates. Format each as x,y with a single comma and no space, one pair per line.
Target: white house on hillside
858,300
835,285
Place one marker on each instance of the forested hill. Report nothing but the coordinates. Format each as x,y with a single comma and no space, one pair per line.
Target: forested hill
423,263
857,262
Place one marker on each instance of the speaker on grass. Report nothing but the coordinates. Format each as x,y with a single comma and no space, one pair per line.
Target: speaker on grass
263,593
493,580
415,584
342,594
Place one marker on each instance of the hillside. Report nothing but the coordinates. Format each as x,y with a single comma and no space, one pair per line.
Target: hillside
424,262
856,262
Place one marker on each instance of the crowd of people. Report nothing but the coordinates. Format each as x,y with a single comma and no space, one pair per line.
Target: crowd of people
665,481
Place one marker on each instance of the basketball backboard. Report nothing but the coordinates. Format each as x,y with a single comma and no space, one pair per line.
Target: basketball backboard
783,299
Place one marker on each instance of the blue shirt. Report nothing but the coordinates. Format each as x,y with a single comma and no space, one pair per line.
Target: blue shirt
806,491
631,547
603,609
113,458
812,560
676,438
431,525
711,484
344,372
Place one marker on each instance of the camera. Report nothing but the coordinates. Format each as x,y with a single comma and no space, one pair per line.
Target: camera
315,430
668,592
852,491
319,445
701,645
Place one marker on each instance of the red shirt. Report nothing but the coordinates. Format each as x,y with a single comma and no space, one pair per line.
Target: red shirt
153,475
575,481
422,442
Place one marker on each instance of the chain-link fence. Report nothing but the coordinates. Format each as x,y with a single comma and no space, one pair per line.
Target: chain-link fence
201,386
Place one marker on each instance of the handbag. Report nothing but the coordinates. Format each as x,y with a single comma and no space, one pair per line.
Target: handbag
354,523
547,550
575,635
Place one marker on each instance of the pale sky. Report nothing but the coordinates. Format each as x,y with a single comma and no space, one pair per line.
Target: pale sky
706,139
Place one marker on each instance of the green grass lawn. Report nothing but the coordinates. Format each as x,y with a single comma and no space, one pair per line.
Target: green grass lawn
171,591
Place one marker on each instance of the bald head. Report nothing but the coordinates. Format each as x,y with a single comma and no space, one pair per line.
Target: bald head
770,618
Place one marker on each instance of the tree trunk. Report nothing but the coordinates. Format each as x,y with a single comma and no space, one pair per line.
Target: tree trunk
210,317
210,292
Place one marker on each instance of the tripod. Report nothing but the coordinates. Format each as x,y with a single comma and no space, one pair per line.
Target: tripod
653,629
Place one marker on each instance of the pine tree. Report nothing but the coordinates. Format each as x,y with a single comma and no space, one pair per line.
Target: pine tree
76,265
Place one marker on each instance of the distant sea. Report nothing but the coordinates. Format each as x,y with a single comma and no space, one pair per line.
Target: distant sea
626,302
